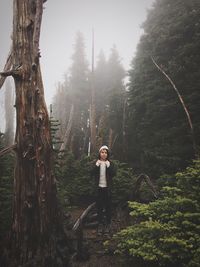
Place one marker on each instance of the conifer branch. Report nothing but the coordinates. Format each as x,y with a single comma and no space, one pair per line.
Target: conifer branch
7,149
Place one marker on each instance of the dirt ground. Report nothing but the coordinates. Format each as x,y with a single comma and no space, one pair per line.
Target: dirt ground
93,249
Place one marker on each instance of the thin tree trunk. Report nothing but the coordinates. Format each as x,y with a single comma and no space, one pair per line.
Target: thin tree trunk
68,130
124,128
182,103
35,221
110,138
93,106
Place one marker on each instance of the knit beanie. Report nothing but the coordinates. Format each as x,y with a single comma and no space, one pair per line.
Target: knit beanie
103,147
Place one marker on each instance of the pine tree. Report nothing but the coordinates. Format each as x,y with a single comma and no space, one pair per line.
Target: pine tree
159,135
166,232
79,95
116,101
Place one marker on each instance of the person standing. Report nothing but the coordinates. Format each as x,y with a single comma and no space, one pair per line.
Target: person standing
103,172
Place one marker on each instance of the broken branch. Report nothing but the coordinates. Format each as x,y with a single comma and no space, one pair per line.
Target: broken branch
6,69
182,103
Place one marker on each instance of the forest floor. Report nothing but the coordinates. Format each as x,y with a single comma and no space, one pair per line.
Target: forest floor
93,249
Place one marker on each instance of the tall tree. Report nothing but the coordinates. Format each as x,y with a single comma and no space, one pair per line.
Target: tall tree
159,136
110,95
101,98
101,82
35,222
79,95
116,97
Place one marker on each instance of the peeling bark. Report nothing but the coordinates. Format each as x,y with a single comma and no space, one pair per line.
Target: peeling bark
36,220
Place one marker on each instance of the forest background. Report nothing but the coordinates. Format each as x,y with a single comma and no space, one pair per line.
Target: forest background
145,123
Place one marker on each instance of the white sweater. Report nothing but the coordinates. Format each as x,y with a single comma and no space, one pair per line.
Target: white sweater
102,177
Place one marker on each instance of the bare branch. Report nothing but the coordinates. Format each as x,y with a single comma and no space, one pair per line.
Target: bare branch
6,69
182,103
5,74
17,71
7,149
143,177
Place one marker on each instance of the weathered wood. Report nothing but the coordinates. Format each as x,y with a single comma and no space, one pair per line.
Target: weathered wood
36,223
83,216
143,177
78,228
68,130
36,32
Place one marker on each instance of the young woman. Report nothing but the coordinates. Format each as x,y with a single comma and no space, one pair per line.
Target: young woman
103,172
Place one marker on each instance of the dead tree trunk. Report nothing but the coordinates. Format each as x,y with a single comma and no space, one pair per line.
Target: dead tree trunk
35,213
68,130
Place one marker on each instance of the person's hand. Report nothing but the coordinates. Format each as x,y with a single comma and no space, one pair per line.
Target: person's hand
107,163
98,163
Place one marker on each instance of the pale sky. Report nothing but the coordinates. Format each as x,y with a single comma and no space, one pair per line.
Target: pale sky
114,22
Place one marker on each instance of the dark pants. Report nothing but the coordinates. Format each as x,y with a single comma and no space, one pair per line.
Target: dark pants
103,203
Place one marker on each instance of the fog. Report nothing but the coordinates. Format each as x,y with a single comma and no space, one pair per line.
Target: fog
114,22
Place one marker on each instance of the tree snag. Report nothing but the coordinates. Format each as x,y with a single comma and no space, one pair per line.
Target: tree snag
35,223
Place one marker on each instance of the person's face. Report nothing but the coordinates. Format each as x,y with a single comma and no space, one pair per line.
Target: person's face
103,154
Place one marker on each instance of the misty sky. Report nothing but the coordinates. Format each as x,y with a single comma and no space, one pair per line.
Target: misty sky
114,22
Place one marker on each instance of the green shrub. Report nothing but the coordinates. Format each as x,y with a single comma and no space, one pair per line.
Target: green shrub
76,185
166,232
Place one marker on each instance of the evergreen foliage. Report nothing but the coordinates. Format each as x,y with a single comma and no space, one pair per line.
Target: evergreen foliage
159,137
74,91
123,183
166,232
76,185
6,190
109,101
